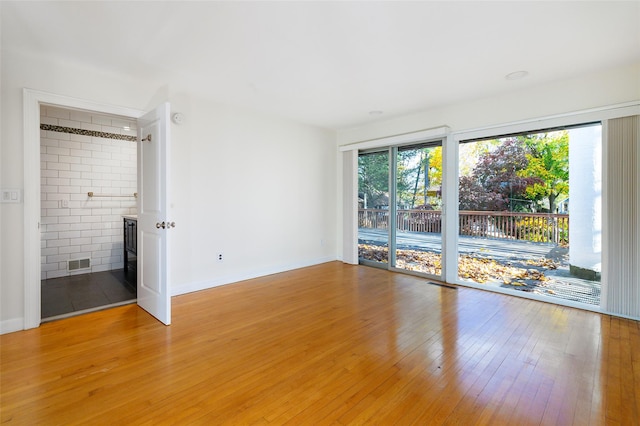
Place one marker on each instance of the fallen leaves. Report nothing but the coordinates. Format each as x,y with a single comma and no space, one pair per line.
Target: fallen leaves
410,260
520,274
419,261
476,268
543,262
482,270
375,253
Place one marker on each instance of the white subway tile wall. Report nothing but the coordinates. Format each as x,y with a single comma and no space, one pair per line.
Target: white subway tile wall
73,225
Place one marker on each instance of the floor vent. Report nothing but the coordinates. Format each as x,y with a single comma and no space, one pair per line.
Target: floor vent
452,287
77,264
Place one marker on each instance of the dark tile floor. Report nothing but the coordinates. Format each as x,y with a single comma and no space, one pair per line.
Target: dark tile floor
74,293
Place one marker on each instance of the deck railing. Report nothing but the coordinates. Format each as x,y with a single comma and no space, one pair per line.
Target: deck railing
538,227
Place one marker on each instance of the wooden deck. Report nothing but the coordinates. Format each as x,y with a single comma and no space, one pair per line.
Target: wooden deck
329,344
560,284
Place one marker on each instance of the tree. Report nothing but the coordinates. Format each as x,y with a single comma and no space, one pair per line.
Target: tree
435,167
373,176
422,164
520,173
495,182
473,196
548,162
373,179
423,174
410,174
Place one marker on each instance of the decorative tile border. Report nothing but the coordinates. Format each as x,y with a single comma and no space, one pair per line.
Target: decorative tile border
84,132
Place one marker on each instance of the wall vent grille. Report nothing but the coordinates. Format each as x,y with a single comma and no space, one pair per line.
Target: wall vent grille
77,264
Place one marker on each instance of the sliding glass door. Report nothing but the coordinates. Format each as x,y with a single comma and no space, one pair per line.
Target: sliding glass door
373,208
399,208
418,215
530,213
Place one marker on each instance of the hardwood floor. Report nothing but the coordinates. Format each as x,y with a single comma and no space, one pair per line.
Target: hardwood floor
329,344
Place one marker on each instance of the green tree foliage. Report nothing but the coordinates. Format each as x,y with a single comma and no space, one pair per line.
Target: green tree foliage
548,162
419,174
373,179
413,186
410,165
522,173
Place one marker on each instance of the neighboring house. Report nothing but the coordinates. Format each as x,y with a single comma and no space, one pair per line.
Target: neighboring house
563,206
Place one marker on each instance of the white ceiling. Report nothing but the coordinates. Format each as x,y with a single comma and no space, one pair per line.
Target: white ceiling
330,63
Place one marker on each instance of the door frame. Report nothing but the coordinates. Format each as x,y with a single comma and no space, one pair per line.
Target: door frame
449,192
32,99
446,221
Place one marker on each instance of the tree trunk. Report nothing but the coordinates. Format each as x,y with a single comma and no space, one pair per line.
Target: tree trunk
415,187
552,202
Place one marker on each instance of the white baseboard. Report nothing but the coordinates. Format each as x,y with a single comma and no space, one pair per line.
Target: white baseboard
11,325
234,278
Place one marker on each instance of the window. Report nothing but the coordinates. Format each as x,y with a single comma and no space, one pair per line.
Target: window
530,213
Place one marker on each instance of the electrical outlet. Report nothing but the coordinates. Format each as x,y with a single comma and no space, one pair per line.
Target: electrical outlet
220,257
11,195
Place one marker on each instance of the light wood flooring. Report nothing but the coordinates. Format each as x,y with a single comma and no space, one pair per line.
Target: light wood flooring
329,344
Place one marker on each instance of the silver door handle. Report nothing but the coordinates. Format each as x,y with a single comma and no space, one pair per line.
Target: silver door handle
165,225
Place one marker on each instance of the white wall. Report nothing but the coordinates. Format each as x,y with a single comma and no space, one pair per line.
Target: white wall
607,87
259,189
74,225
595,90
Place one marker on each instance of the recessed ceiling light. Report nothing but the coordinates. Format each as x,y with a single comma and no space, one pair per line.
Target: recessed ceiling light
376,112
517,75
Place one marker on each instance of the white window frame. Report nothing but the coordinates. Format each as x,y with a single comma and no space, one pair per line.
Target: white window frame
534,125
451,142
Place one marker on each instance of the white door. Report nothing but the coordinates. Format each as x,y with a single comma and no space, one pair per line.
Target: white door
154,226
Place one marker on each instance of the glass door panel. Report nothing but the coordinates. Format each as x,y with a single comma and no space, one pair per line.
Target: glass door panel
530,213
418,220
373,208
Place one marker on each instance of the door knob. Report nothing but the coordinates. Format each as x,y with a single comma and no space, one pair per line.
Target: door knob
161,225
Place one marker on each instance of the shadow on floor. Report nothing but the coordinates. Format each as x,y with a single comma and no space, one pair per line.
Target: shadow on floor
65,295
